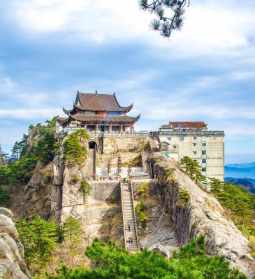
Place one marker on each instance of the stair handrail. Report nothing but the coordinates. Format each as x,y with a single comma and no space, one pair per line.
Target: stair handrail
134,215
122,208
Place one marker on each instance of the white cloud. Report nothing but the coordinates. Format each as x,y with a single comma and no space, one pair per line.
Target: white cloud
28,113
209,27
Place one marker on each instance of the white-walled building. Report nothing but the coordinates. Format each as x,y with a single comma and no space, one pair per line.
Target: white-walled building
193,139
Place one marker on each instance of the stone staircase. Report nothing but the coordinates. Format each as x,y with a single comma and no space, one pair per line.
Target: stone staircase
129,220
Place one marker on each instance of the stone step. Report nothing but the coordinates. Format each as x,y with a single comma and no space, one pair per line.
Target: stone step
129,224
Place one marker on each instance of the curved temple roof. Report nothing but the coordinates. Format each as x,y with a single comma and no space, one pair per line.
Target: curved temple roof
99,102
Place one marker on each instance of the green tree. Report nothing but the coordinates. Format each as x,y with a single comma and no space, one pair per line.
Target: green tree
3,158
169,14
75,147
41,147
72,233
191,262
239,202
192,169
85,187
4,197
39,238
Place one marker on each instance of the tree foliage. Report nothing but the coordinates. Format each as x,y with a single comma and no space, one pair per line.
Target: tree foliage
169,14
85,187
75,147
192,169
72,230
3,158
191,262
4,197
39,238
239,202
40,146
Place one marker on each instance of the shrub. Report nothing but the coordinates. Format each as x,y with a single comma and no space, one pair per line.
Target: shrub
4,197
141,214
192,169
42,147
191,262
72,233
183,198
85,187
74,179
143,189
39,238
75,147
239,202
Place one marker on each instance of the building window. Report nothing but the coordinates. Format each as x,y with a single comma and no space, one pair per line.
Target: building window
91,128
194,144
204,161
182,138
115,129
203,152
194,152
204,144
194,138
174,146
203,169
169,138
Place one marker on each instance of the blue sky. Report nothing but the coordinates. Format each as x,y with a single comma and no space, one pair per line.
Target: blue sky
49,49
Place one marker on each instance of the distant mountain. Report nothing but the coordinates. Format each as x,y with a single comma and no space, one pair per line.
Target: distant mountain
247,183
241,174
246,170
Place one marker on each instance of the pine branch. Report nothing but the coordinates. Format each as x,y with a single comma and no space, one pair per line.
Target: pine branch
166,24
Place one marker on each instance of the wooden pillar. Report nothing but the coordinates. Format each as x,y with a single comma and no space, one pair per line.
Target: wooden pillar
94,164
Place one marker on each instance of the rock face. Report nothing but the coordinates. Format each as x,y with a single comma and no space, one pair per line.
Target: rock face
201,215
12,263
99,211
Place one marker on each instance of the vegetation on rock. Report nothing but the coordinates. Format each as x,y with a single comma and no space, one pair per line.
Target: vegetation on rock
141,214
192,169
4,197
39,238
191,262
39,146
141,208
85,187
240,205
75,147
72,233
183,198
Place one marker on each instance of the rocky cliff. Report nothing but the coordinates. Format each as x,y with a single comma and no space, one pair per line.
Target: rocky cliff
12,264
193,212
178,208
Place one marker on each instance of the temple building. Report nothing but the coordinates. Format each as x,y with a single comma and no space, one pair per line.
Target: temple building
99,113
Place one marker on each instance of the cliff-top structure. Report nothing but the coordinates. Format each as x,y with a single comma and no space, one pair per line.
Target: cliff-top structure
98,113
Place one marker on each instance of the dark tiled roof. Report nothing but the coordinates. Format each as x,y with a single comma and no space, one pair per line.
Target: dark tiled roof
100,119
61,120
185,125
99,102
